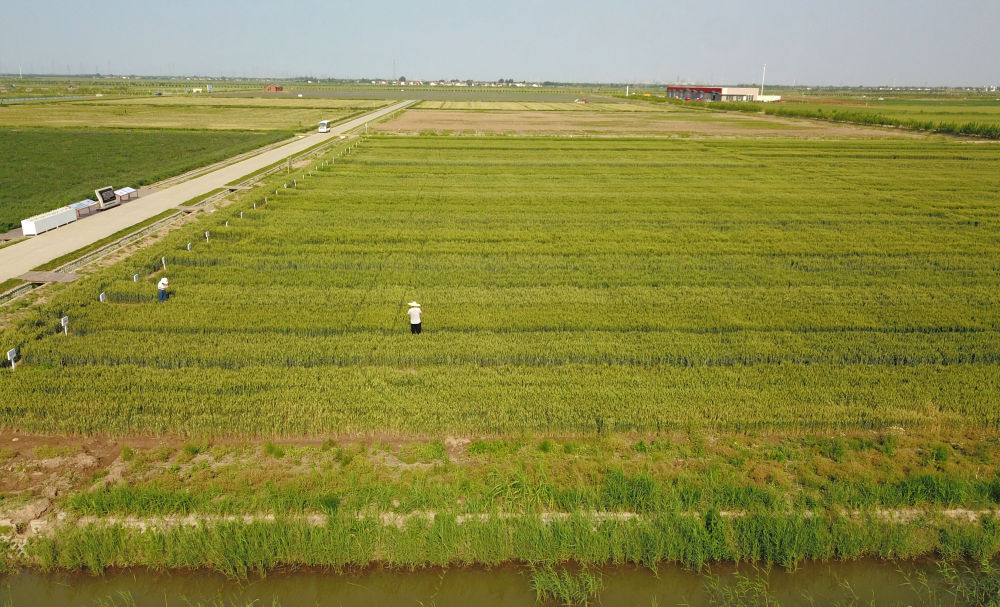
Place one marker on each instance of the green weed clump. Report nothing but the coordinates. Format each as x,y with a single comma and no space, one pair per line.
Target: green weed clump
139,501
568,587
239,549
274,450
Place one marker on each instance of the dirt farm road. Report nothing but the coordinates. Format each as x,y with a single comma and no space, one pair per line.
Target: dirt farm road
19,258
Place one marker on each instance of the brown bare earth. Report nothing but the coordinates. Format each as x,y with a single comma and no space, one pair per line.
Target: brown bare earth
608,124
52,465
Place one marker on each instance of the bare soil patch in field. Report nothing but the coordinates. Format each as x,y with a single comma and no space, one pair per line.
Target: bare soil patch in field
659,124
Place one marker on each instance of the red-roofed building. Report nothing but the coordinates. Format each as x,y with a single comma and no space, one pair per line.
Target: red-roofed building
712,93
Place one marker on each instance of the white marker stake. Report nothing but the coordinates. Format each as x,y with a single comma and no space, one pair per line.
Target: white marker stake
164,260
206,236
189,246
135,278
227,223
103,297
241,214
11,356
65,324
255,204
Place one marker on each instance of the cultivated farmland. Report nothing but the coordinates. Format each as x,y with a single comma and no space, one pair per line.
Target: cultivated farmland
240,114
982,109
659,121
569,287
579,105
276,103
635,351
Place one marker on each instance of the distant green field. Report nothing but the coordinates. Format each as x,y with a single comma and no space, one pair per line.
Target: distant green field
42,169
517,105
277,103
194,115
976,110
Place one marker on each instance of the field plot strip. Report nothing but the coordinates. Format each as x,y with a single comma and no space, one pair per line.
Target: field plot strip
23,256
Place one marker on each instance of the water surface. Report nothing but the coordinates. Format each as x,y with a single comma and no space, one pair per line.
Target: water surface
857,582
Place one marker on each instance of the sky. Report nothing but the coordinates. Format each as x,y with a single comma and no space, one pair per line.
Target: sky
842,43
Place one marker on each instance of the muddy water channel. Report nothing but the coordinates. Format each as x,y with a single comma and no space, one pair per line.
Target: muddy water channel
844,583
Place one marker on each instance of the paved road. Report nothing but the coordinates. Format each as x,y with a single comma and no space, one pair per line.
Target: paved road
33,252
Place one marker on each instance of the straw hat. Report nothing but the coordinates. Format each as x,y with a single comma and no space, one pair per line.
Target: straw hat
413,304
165,281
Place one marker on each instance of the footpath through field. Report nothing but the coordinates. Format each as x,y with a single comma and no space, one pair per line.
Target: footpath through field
23,256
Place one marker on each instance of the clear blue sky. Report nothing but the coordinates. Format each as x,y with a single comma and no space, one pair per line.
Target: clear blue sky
847,42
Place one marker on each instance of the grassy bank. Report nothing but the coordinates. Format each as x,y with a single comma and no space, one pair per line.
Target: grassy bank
692,499
238,549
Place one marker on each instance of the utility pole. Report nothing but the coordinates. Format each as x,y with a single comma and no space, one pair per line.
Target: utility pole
762,80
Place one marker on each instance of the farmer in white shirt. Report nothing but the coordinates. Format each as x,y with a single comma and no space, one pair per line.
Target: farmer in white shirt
414,313
162,288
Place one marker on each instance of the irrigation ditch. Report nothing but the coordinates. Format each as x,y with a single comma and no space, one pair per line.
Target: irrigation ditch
848,583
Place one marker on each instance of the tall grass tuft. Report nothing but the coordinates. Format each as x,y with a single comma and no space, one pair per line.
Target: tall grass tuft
570,588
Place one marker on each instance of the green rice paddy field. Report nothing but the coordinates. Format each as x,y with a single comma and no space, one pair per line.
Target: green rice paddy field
568,286
635,351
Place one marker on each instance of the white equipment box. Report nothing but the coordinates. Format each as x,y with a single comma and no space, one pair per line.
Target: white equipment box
33,226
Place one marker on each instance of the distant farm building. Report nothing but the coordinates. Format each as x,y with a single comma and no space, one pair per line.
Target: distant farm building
718,93
273,88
